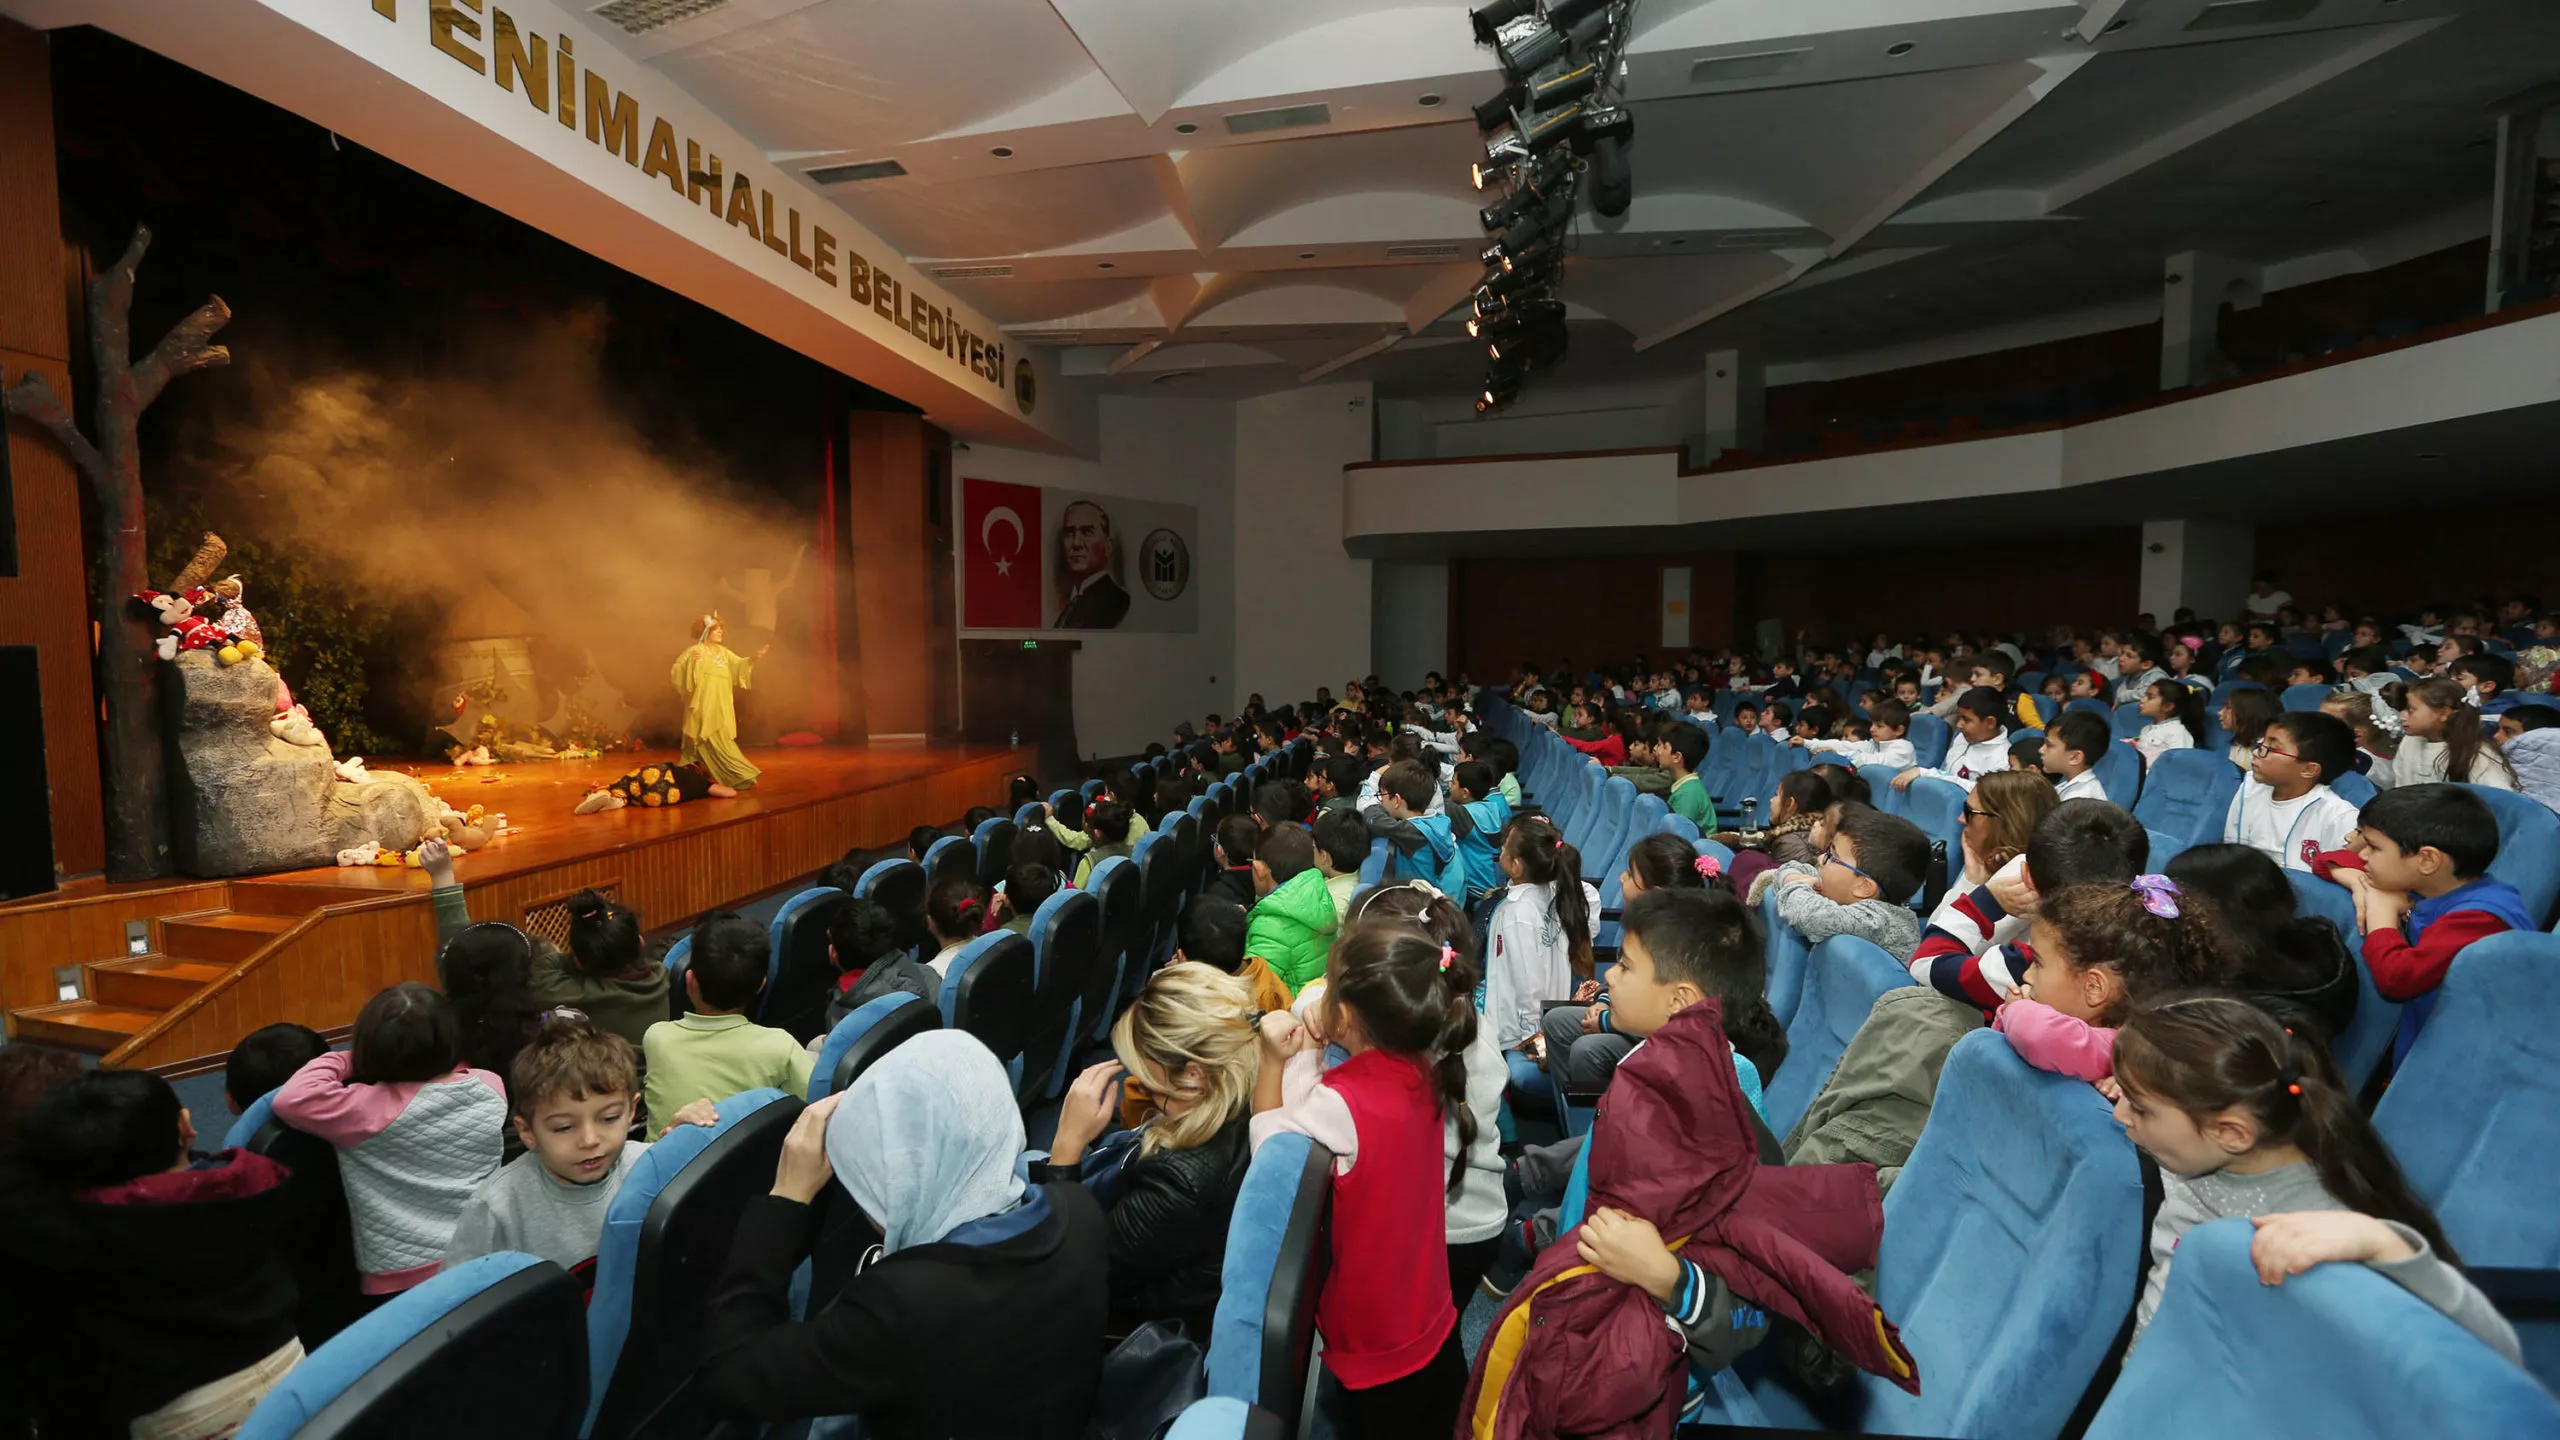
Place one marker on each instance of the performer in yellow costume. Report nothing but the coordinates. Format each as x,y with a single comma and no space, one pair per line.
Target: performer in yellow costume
707,675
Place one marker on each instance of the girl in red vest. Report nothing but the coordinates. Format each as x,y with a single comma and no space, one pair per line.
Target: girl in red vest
1399,1001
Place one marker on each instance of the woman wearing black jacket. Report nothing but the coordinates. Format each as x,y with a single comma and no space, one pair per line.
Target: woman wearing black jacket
982,1315
1189,1043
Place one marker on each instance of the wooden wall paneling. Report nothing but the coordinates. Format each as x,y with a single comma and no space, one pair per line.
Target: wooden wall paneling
38,936
32,320
892,569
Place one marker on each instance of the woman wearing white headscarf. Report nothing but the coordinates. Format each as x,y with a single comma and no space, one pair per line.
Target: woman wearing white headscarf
982,1312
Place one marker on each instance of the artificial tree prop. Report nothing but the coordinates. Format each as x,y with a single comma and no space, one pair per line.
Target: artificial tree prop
137,819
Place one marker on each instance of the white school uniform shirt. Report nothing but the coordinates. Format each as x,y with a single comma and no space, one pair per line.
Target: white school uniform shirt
2381,770
2289,832
2264,607
2161,736
2422,762
1967,763
1896,753
2083,786
1528,961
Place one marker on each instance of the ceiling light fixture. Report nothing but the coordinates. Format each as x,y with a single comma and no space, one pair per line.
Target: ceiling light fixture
1186,128
1104,265
1430,100
1001,152
1900,48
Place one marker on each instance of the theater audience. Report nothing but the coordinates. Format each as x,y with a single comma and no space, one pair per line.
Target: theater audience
1189,1043
607,973
983,1316
2423,893
264,1059
715,1051
2285,810
1293,920
415,1129
2100,950
955,913
862,945
2444,740
1860,884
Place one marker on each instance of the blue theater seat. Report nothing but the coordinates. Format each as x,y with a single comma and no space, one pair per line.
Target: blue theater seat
900,887
2188,795
2126,721
666,1237
1843,976
2473,1113
989,991
2528,849
1788,952
494,1346
876,1027
1262,1338
1221,1418
949,856
1879,780
2119,772
995,850
2336,1352
1937,807
2355,788
2011,1240
2306,697
1161,870
1929,737
2368,1035
678,959
798,975
1066,945
1118,886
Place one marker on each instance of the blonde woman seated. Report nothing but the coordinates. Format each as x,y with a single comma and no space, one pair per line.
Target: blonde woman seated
1190,1045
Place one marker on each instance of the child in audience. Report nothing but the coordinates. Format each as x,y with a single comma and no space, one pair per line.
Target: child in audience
2245,716
1342,847
716,1051
1117,829
2000,817
147,1297
955,913
575,1088
2294,966
2445,740
920,839
2423,892
1337,782
2138,668
265,1058
2248,1118
1538,943
1981,745
862,943
1234,842
1888,725
1972,949
1778,720
2373,744
2529,737
2100,950
416,1131
1398,1002
1027,887
607,972
2310,672
2285,810
1746,716
2070,752
2173,716
1874,862
1293,920
1213,932
2486,680
1576,1042
1683,749
985,1314
1795,808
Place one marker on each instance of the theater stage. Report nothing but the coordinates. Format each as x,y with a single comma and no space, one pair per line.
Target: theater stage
219,958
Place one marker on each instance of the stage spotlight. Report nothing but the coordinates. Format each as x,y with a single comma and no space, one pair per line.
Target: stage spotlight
1524,46
1565,80
1567,14
1532,226
1607,122
1613,186
1488,22
1495,113
1540,131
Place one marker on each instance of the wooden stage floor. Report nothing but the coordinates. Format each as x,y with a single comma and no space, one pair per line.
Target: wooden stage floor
537,799
174,971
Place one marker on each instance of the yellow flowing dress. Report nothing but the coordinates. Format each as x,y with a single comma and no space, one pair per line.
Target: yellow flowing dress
707,676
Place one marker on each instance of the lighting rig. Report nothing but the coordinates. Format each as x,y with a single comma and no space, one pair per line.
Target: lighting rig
1555,126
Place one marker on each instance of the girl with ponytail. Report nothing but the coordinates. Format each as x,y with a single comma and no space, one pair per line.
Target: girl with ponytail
955,910
1399,1001
2445,740
2099,950
1538,943
1472,1136
2247,1117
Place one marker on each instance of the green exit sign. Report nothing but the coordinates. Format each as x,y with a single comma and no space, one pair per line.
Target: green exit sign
1030,644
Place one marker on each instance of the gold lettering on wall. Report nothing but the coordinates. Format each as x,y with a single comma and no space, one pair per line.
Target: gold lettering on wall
613,121
387,9
824,262
443,20
568,86
772,241
700,178
857,278
662,155
797,257
742,205
507,48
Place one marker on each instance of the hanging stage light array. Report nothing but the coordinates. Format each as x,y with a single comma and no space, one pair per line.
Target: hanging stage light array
1554,120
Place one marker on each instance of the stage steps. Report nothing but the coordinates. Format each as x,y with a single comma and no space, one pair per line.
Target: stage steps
122,995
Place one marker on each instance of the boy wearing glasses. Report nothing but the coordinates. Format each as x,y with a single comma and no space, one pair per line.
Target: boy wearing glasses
2285,809
1860,882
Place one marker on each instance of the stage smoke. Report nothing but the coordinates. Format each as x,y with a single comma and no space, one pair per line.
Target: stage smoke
510,494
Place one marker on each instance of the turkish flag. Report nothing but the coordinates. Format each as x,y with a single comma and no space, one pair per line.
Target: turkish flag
1000,546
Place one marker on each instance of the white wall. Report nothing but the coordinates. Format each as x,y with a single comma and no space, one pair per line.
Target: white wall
1409,626
1301,604
1130,689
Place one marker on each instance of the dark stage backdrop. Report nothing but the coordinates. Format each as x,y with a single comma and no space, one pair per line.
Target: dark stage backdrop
333,257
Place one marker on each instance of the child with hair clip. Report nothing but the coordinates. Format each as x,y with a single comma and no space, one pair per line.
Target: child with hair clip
1399,1003
2173,719
2446,741
2098,951
2246,1117
607,973
2377,730
1477,1207
955,911
416,1131
1538,943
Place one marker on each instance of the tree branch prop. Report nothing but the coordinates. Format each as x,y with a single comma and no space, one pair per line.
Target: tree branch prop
182,351
34,400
